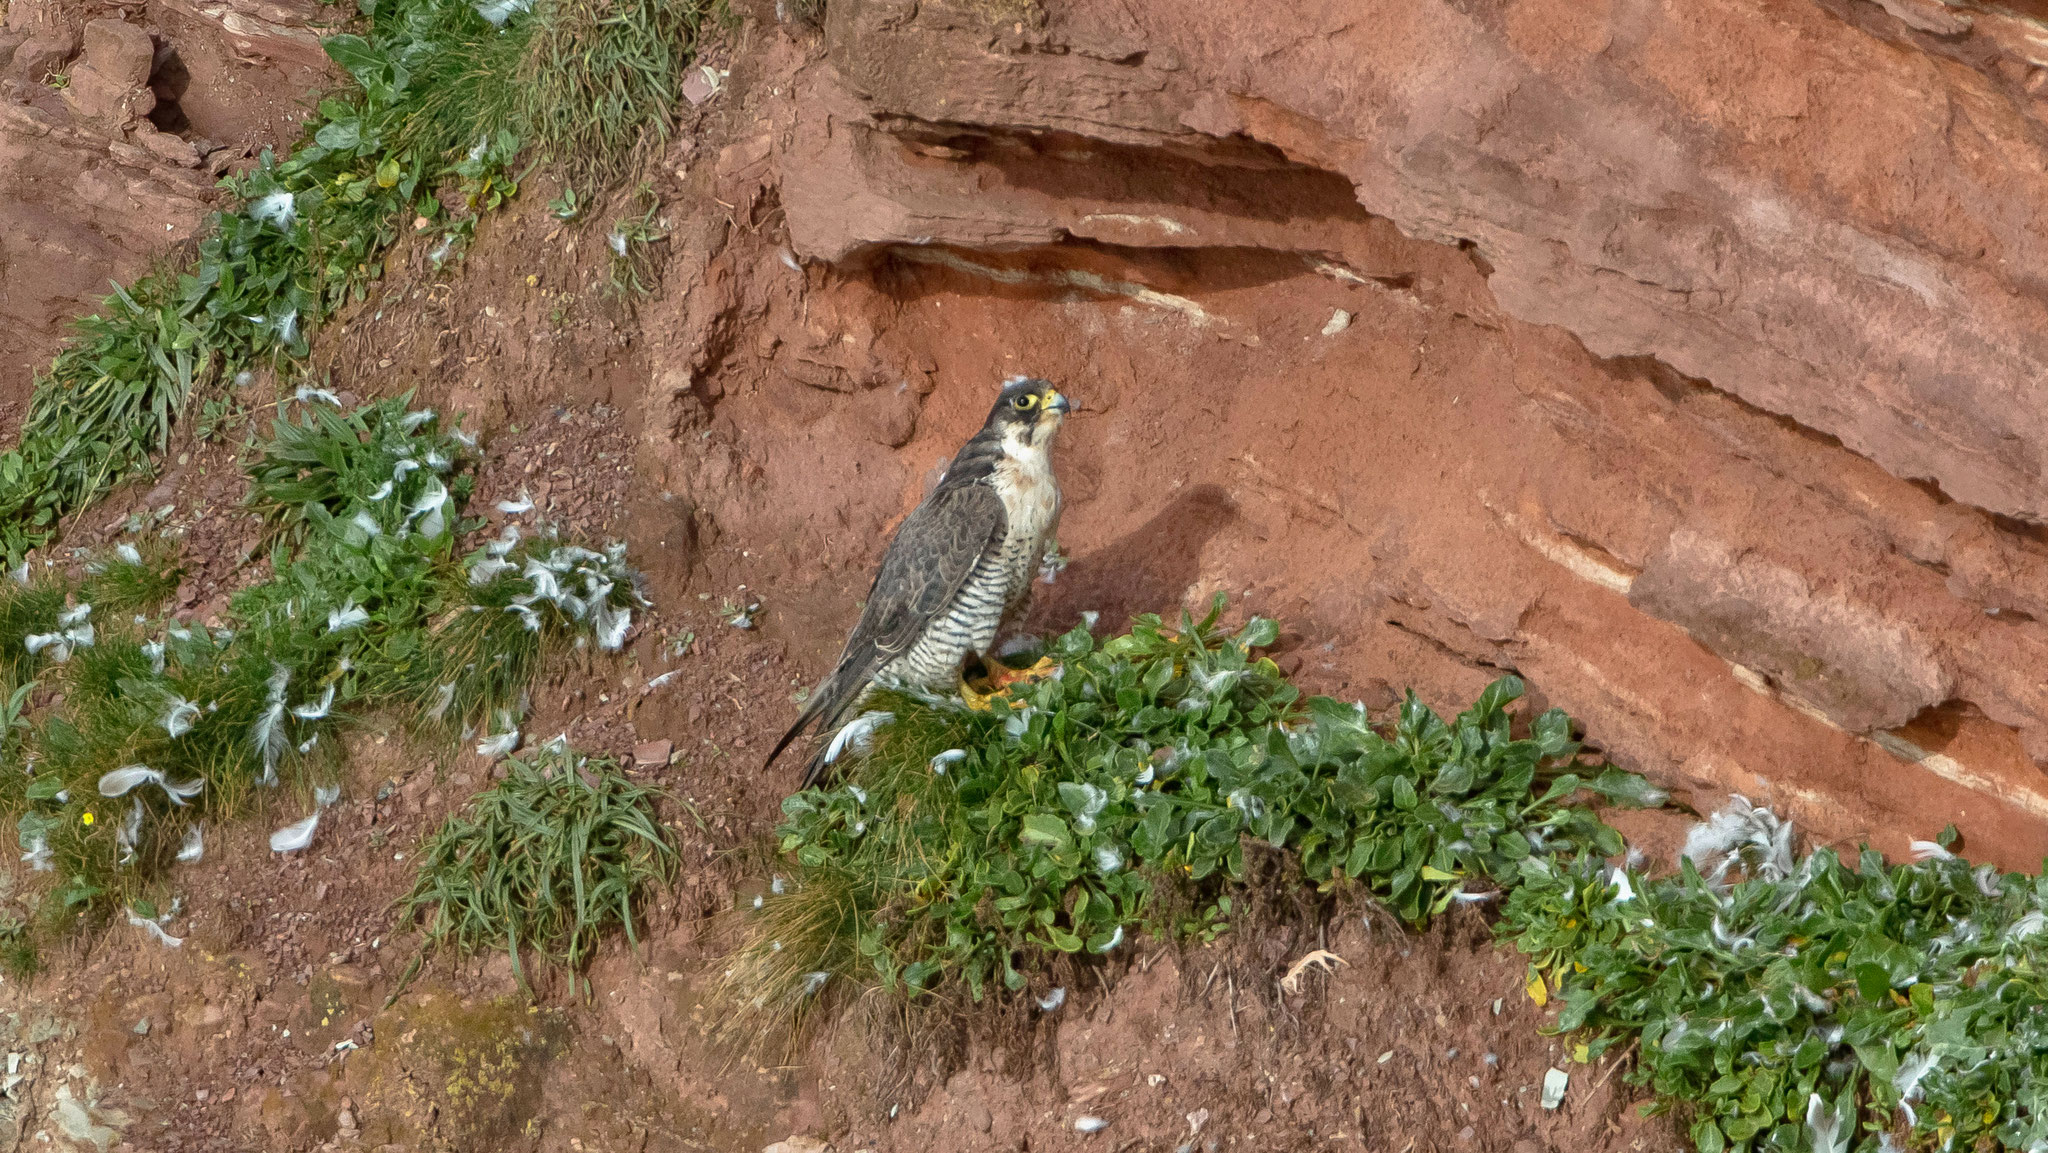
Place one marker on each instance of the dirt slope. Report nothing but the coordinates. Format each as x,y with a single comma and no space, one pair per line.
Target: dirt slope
1677,358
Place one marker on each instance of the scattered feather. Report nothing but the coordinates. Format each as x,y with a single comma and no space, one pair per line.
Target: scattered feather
1929,851
179,715
318,709
498,12
1090,1124
610,625
155,930
276,208
500,744
349,615
515,507
1741,835
1053,999
1828,1124
443,697
294,837
38,856
857,733
119,782
194,846
949,757
307,393
1912,1071
486,569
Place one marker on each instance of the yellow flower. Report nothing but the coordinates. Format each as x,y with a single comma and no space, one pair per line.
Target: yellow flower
86,819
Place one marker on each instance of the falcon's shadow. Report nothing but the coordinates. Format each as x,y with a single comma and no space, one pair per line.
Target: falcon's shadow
1146,571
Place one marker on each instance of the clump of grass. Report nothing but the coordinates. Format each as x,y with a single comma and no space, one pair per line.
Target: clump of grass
545,860
602,77
18,953
133,577
162,723
964,844
31,599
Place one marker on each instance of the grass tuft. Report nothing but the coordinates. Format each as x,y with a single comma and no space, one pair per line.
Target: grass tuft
601,79
133,578
545,860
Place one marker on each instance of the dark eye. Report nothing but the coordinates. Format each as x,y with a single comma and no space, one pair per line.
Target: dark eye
1024,403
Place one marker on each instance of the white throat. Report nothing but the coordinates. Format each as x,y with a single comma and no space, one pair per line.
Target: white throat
1032,455
1025,481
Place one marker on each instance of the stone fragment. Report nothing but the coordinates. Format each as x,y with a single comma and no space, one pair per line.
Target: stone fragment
168,147
121,51
43,55
96,96
1928,16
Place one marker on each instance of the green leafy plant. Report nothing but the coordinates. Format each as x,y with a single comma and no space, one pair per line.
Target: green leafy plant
546,859
219,416
1802,996
964,843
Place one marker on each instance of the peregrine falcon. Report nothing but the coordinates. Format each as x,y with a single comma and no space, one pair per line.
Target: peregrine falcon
960,565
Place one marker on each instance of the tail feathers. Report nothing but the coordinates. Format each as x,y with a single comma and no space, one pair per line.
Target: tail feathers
814,769
825,710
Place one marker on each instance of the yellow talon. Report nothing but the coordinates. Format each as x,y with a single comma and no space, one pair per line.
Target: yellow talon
998,682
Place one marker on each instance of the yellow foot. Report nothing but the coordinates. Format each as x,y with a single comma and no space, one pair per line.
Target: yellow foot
980,695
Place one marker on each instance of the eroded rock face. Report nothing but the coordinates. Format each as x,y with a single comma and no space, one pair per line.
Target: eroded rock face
113,133
1742,436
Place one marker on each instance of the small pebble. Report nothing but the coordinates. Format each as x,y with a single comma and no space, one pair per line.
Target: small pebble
1555,1082
1090,1124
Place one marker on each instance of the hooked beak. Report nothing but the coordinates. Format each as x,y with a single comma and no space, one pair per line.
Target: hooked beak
1060,404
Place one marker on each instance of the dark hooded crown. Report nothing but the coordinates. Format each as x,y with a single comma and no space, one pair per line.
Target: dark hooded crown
1025,400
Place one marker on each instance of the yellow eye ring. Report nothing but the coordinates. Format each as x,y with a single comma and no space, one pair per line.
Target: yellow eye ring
1024,403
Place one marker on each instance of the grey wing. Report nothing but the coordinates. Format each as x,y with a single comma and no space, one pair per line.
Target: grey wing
928,562
924,570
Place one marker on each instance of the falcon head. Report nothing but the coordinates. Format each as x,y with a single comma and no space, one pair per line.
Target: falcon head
1028,413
